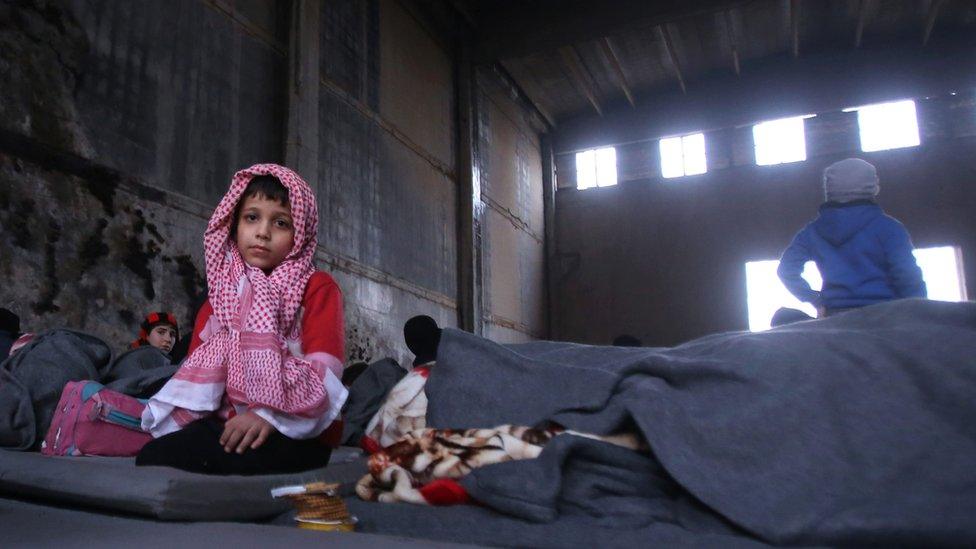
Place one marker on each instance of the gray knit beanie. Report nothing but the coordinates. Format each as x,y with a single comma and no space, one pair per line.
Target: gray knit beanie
850,179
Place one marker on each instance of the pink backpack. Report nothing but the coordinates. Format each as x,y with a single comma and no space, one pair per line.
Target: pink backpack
94,421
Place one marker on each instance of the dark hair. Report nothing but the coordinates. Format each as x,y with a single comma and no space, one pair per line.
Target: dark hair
422,337
9,322
269,187
626,340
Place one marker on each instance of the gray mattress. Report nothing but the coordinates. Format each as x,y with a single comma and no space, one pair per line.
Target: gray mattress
24,524
116,484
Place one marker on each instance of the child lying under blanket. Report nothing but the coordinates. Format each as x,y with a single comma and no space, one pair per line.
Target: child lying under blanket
405,408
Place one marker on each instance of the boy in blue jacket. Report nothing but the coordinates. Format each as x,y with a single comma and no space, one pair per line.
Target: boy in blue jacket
863,255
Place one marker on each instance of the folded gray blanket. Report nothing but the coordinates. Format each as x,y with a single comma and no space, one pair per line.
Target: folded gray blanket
855,429
32,379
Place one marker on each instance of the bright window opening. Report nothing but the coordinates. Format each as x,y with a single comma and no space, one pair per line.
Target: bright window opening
780,141
596,168
683,155
887,125
941,269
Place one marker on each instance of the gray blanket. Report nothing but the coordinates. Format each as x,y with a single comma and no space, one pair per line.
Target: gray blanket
857,429
139,372
32,379
366,395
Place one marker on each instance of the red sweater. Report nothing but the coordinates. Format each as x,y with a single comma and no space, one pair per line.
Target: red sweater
322,332
322,328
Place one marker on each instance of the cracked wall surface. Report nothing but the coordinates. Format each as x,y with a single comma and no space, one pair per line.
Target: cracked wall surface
124,122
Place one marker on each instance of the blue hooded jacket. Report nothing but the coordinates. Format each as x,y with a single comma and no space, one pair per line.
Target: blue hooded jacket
863,255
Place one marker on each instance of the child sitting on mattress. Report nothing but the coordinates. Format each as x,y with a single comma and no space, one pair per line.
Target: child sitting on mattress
160,330
405,408
261,383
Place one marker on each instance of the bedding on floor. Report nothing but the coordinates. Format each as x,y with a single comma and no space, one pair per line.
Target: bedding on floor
117,485
856,429
31,380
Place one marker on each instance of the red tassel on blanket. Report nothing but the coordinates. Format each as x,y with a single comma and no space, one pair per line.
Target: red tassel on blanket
444,491
369,445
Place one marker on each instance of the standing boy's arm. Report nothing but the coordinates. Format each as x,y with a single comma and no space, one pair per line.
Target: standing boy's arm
903,270
790,270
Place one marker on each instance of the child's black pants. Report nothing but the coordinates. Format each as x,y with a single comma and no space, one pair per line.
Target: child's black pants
197,448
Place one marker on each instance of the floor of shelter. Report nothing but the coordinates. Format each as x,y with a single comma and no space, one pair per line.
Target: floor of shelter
32,524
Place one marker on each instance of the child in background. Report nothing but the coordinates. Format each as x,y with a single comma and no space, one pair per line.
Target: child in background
158,329
405,408
261,382
11,338
9,331
863,255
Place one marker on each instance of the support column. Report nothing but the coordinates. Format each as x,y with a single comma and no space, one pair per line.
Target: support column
549,215
469,193
302,131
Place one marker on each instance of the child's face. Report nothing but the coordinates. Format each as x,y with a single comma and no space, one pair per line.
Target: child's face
265,232
162,337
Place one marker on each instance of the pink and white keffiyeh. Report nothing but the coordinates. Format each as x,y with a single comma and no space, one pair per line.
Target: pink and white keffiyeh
245,361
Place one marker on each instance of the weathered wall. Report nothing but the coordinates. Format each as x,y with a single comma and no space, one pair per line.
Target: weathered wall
512,224
386,180
122,123
664,258
103,114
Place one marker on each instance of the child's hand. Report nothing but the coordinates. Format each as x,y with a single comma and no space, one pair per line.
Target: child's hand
247,430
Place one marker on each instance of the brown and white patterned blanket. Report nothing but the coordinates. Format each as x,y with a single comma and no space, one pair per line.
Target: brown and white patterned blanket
401,471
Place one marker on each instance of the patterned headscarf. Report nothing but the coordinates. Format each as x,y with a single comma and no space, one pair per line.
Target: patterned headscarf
255,314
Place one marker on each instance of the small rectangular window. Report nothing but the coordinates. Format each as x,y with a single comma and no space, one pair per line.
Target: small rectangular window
780,141
683,155
887,125
596,168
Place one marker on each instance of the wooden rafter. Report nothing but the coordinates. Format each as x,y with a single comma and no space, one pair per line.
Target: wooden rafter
733,42
795,27
669,49
578,74
614,61
504,72
862,19
934,9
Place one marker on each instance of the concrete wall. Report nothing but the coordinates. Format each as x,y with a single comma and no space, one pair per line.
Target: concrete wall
512,227
386,173
123,122
664,259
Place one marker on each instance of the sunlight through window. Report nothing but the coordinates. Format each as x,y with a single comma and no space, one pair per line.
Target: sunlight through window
596,168
887,125
780,141
683,155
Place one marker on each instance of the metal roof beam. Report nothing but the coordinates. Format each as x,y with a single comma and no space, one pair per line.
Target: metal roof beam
578,74
934,9
669,49
862,19
795,28
614,61
733,42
